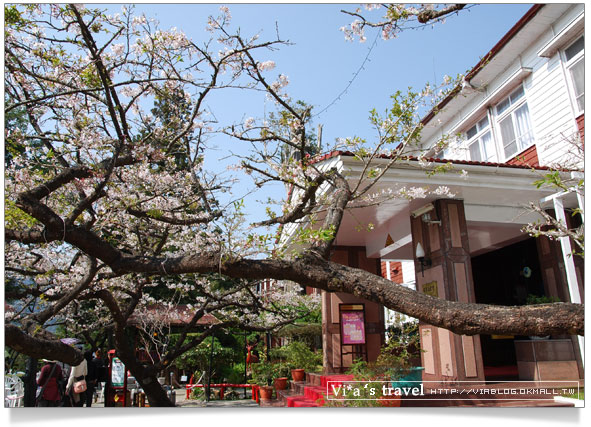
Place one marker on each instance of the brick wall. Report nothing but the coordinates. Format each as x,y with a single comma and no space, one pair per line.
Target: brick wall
528,157
395,271
581,126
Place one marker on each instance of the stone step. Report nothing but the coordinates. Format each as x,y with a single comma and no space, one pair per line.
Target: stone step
296,386
283,395
313,379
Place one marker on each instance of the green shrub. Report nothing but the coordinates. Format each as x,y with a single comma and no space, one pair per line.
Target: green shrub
299,356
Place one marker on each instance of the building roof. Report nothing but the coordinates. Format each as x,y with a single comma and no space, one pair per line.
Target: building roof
337,153
485,60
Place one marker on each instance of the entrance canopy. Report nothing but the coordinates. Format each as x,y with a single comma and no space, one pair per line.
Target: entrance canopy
495,197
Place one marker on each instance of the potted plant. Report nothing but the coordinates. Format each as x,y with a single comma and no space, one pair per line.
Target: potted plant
301,359
280,372
263,375
395,365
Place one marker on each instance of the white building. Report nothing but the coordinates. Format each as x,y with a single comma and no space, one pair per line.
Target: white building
514,113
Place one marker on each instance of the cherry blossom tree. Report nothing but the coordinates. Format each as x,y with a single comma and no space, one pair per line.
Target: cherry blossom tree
396,17
81,81
111,210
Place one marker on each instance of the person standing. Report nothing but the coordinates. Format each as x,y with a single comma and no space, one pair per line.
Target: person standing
78,373
48,379
91,378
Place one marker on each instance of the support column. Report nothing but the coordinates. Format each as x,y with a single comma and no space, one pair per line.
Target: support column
374,313
446,356
563,277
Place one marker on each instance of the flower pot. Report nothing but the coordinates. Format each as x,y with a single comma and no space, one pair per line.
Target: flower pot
281,383
390,401
298,374
265,392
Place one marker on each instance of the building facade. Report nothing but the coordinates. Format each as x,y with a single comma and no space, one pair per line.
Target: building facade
519,111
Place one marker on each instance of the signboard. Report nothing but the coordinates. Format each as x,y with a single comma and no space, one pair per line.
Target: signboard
430,289
352,327
117,372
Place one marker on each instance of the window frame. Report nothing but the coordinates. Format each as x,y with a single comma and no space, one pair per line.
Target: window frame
477,139
510,111
569,64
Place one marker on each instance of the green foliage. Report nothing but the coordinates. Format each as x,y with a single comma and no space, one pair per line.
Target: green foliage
197,359
91,78
13,17
309,235
236,374
543,299
280,370
580,395
198,393
172,109
308,333
396,357
285,124
441,169
266,371
263,372
394,362
551,179
15,125
299,356
16,218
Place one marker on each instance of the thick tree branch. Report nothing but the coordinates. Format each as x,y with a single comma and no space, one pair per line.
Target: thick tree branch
39,348
304,207
171,220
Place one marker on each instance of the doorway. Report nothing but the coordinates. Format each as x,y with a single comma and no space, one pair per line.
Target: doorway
505,277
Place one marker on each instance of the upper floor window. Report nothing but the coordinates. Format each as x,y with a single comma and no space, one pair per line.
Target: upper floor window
514,123
480,142
575,65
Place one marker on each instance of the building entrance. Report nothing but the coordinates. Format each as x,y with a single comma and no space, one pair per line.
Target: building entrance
505,276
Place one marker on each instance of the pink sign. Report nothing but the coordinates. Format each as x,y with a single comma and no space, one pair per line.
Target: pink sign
353,328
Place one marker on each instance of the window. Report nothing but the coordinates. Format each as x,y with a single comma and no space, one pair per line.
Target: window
514,123
442,154
480,143
575,66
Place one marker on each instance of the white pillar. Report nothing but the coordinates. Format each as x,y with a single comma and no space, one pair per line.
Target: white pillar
569,266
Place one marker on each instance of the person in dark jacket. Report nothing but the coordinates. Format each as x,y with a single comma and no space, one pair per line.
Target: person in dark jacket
91,378
48,379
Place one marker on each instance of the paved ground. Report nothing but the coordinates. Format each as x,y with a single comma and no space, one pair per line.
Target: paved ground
218,404
182,402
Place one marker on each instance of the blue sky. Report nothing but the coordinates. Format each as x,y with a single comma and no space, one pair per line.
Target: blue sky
320,62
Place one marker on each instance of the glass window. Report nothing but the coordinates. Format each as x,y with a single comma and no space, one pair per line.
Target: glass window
514,123
475,152
518,94
480,144
575,65
577,72
483,123
503,105
575,48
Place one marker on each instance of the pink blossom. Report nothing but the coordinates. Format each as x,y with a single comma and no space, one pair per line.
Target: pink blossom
266,66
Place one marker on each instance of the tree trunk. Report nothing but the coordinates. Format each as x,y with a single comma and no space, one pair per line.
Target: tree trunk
30,383
154,391
146,377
